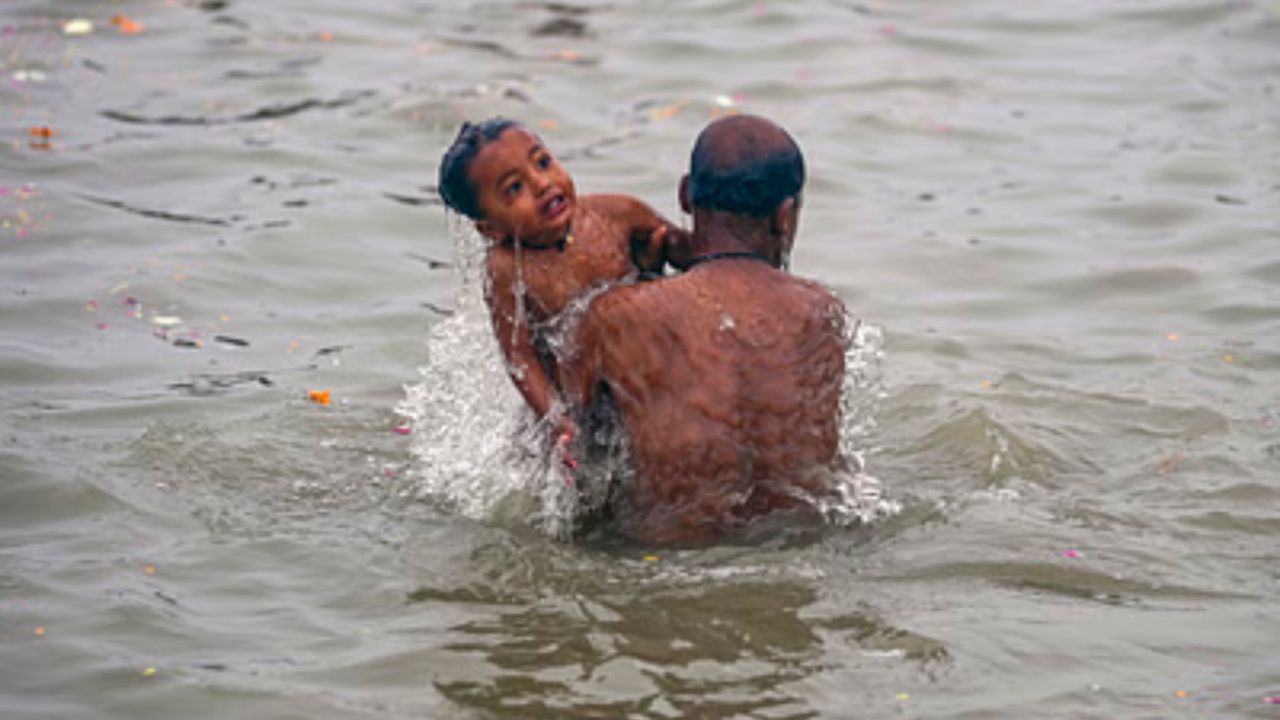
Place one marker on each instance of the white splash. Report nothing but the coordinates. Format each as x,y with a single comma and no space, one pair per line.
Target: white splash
476,445
859,497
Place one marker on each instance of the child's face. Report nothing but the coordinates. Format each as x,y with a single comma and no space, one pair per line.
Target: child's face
523,193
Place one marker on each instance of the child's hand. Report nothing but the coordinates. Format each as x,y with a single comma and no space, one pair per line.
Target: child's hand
658,238
675,246
565,433
648,248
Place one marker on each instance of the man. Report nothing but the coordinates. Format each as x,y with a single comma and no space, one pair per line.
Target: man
726,378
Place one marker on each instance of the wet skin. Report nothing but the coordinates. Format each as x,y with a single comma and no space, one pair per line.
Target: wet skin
728,382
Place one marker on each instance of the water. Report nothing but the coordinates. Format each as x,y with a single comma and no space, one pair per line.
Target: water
1062,216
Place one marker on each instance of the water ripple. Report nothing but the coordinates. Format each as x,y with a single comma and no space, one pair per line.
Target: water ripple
160,214
270,112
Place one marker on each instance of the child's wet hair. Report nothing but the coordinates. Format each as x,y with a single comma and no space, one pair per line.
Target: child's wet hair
456,189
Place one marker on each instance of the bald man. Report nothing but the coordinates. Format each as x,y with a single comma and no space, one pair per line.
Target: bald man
726,378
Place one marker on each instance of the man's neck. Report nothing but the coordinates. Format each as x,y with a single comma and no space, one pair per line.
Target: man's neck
723,234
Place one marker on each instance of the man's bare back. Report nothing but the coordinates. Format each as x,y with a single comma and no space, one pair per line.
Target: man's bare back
728,381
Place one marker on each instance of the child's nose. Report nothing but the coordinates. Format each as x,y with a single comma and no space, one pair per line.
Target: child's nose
541,181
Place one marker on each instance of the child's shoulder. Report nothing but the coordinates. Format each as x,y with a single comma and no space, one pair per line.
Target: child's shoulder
625,213
499,261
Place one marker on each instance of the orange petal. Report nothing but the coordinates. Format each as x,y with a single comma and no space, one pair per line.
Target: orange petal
127,25
668,112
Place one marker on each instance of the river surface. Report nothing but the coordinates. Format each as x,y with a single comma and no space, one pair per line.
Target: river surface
1062,219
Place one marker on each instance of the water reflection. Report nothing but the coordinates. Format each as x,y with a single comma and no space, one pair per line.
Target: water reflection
724,641
723,649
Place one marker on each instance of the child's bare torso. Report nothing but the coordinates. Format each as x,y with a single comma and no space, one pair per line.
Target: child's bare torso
550,278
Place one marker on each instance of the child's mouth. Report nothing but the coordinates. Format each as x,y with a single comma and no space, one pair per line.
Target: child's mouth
553,207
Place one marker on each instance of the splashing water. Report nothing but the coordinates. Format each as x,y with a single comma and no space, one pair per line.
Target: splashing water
480,451
478,448
858,496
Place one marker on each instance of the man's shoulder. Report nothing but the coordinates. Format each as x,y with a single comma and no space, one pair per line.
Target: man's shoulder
630,298
787,297
764,283
817,292
689,294
639,307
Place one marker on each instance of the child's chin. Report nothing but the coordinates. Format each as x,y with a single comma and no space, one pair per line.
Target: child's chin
542,241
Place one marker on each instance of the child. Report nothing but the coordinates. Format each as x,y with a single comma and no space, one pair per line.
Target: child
549,246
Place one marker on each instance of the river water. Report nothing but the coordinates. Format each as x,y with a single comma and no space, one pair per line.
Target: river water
1061,217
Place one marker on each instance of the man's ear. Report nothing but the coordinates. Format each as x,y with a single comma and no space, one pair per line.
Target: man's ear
685,205
486,228
786,218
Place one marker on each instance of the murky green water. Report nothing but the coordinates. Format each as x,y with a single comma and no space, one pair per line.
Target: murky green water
1063,216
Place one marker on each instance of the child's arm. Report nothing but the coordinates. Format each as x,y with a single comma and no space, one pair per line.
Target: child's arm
511,326
654,240
580,373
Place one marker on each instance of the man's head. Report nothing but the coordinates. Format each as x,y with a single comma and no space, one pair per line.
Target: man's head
744,164
749,167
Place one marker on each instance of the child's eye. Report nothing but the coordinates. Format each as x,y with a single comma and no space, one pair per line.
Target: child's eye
513,188
544,162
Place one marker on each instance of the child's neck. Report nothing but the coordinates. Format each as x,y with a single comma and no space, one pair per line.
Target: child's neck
559,245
